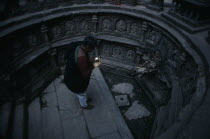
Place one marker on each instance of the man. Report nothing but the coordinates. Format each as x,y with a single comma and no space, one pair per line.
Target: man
79,68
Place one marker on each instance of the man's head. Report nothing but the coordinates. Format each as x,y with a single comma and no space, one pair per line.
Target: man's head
89,43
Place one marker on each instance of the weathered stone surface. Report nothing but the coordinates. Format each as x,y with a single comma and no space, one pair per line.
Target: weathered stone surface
50,99
51,123
66,99
99,119
34,120
114,135
123,88
50,88
136,111
18,124
122,100
110,103
74,126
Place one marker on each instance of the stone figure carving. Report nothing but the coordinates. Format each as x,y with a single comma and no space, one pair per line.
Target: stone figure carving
130,54
134,28
106,24
56,32
121,25
153,37
105,50
32,40
17,48
117,52
84,26
150,64
70,27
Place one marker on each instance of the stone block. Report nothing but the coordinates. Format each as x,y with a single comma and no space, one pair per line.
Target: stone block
122,100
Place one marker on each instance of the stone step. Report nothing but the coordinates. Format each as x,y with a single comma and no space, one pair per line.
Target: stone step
5,111
51,123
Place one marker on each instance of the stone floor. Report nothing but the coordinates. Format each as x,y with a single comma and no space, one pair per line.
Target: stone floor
61,117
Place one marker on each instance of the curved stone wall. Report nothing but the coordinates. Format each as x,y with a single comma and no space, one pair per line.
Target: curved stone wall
128,37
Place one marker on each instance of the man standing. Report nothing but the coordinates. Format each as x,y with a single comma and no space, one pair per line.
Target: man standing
79,68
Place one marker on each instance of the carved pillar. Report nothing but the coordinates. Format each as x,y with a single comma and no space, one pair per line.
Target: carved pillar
144,29
95,22
44,35
156,5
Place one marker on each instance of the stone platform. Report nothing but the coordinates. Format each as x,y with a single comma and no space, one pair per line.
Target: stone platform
61,116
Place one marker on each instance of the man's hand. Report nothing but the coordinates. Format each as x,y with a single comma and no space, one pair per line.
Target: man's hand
96,64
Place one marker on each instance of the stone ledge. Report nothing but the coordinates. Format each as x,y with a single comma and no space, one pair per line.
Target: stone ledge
117,117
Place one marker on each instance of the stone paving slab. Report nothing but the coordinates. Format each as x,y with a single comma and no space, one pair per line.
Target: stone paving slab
74,127
110,103
34,120
67,100
99,120
51,123
50,88
50,98
114,135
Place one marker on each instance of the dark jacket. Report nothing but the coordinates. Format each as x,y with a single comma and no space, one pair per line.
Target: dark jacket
73,77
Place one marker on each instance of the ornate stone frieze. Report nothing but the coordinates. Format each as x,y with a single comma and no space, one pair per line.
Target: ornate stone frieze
33,40
106,24
56,32
121,25
117,52
70,27
134,28
130,55
84,26
105,50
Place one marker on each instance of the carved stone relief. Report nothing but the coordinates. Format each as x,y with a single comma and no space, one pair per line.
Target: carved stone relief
106,24
32,40
70,27
106,49
117,52
134,28
130,55
56,32
18,48
121,25
153,37
84,26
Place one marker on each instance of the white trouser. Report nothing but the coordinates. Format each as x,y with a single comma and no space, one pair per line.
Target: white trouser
82,99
